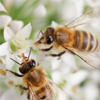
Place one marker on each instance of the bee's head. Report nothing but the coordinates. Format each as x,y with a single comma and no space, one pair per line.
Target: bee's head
47,37
26,64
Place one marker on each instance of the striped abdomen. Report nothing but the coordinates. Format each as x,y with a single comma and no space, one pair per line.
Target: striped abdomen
86,41
44,93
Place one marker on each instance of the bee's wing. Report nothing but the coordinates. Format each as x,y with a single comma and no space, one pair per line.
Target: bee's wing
89,16
58,93
92,58
32,95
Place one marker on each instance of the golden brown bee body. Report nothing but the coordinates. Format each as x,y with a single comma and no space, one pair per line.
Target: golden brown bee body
39,86
78,42
78,39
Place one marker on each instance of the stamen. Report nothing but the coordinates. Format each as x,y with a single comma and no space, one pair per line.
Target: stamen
23,56
37,43
2,72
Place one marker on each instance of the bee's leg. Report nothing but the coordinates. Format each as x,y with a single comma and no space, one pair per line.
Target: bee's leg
29,91
57,55
47,49
70,51
39,34
16,74
28,96
21,87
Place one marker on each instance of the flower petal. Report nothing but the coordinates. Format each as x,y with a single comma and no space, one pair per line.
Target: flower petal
2,7
9,62
8,33
30,43
69,57
16,25
78,77
54,24
8,4
10,94
40,11
4,49
91,91
4,20
2,71
25,32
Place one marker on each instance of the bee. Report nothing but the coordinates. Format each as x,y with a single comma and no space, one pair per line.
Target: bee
39,86
66,38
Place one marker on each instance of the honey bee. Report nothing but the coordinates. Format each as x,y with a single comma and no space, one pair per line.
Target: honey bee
39,86
78,42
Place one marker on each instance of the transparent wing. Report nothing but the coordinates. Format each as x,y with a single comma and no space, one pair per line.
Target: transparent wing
92,58
32,95
89,16
58,93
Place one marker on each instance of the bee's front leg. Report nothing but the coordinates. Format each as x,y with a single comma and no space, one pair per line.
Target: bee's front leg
16,74
47,49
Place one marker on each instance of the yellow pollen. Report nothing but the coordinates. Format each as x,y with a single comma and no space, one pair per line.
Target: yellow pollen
75,90
10,82
1,61
75,71
2,72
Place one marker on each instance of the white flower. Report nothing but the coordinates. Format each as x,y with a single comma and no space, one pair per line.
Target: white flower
76,78
2,68
54,24
40,11
93,3
4,48
2,8
8,4
12,94
15,42
16,25
4,20
91,91
71,9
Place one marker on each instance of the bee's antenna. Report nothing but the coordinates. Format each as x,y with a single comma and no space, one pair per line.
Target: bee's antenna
15,61
30,52
39,34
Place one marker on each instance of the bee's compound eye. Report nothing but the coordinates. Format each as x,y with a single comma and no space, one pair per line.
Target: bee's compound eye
32,63
50,40
51,30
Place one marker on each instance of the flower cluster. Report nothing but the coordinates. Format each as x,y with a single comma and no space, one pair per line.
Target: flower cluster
17,36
